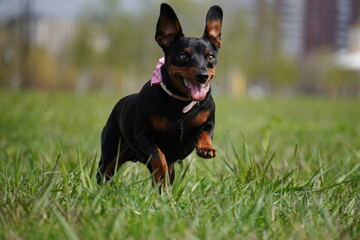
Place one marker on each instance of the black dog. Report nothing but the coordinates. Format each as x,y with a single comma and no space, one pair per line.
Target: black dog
173,113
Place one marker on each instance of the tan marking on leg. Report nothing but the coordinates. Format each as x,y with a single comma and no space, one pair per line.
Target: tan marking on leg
116,163
204,146
159,167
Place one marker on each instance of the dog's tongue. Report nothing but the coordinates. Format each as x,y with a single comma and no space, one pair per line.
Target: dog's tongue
198,91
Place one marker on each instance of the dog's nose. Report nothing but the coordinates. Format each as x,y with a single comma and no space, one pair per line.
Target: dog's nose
202,77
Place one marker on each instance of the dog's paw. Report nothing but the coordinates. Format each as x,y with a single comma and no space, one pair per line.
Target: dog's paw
206,152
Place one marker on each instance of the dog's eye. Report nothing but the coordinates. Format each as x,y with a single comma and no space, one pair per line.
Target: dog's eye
183,57
211,58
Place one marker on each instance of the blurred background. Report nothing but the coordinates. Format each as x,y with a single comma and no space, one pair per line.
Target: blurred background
269,46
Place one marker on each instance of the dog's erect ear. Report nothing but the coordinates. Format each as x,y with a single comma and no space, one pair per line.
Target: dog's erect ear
168,27
213,26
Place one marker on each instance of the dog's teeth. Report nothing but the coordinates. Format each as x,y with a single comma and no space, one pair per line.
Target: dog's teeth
186,83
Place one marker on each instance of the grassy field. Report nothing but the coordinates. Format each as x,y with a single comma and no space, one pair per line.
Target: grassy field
287,168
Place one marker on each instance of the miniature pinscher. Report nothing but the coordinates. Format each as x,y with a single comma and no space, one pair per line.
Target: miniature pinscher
174,113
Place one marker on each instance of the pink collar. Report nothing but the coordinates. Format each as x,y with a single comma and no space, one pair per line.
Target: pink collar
156,75
156,79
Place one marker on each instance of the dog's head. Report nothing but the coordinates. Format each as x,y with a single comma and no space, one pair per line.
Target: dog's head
190,61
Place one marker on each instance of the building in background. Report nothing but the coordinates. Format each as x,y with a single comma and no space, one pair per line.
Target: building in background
310,25
305,25
292,15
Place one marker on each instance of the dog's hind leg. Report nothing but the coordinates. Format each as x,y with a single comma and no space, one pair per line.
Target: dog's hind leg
114,150
160,169
116,163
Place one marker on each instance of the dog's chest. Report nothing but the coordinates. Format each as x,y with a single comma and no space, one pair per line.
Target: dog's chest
172,123
176,137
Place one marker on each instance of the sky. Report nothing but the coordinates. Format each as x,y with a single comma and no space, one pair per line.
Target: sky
56,8
72,8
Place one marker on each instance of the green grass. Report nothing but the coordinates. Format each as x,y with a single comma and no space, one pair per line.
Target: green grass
287,168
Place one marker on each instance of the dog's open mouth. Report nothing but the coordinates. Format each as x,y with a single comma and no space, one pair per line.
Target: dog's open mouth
197,91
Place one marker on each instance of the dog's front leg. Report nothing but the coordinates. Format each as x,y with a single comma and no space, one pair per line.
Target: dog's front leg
204,146
158,167
155,158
